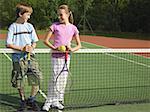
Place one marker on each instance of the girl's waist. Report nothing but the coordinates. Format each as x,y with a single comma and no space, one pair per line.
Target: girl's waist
57,54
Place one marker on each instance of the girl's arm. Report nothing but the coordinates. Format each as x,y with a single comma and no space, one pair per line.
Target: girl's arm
78,42
47,38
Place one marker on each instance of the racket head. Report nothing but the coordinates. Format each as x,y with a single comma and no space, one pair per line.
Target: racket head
69,83
64,82
31,73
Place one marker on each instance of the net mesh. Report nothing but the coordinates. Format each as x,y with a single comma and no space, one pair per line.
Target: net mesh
100,76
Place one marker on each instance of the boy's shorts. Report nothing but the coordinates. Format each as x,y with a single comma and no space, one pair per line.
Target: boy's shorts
20,71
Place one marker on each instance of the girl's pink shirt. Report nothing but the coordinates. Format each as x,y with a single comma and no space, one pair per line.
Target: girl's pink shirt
63,34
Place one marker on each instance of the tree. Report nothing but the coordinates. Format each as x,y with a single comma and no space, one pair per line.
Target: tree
136,16
98,15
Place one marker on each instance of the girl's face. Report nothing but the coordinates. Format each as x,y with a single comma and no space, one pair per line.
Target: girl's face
63,16
26,16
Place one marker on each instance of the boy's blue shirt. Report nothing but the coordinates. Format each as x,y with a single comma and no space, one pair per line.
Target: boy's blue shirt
21,35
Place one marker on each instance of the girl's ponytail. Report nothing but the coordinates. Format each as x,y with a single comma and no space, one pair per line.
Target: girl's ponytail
71,20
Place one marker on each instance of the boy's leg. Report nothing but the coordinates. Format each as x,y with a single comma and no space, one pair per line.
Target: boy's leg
32,99
17,82
21,93
22,100
34,81
34,90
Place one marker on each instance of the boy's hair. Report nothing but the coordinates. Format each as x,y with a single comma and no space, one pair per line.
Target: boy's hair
23,8
68,11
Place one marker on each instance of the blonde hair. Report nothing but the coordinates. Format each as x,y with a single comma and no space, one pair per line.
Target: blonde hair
23,8
68,11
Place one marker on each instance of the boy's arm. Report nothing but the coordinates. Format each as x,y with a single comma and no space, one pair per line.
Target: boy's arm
27,48
19,48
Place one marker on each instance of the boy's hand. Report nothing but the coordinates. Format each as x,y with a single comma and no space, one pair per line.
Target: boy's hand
27,48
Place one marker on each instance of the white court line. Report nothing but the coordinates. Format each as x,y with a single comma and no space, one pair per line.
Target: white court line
132,61
95,44
7,57
121,58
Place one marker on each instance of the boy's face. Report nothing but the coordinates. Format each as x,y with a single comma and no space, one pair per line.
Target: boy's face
26,16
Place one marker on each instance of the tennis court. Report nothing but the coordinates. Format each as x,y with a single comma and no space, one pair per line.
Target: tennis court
102,81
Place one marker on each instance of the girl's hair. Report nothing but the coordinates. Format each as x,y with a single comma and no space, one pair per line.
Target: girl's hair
23,8
68,11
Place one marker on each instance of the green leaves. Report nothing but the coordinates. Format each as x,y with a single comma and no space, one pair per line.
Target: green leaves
102,15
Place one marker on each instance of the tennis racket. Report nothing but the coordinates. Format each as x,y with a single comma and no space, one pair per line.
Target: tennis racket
63,79
30,72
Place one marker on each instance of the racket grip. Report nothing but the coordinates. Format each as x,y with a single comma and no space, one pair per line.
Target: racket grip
28,56
66,53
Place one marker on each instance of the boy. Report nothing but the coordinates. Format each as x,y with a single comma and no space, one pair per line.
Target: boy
22,37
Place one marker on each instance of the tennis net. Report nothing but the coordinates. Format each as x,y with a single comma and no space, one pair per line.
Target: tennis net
100,76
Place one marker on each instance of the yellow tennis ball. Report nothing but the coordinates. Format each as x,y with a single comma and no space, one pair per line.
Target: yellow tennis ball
62,48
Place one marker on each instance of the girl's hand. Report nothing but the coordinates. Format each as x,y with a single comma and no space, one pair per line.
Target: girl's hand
54,48
69,48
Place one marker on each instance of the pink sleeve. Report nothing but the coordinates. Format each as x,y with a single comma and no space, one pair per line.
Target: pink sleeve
76,31
52,27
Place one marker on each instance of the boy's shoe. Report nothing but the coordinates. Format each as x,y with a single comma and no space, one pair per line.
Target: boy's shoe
59,110
33,104
22,106
59,105
46,107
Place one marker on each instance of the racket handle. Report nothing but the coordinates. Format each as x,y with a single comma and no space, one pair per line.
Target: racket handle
66,53
28,56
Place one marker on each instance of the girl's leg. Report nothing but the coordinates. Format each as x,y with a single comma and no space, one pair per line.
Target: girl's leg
51,86
50,94
48,102
54,96
61,83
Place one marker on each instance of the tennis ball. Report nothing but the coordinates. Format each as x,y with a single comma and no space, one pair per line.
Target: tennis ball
62,48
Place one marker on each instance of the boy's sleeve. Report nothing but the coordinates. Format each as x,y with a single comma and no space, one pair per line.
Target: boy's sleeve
10,35
34,35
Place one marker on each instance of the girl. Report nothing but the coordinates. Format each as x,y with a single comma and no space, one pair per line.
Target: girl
64,31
